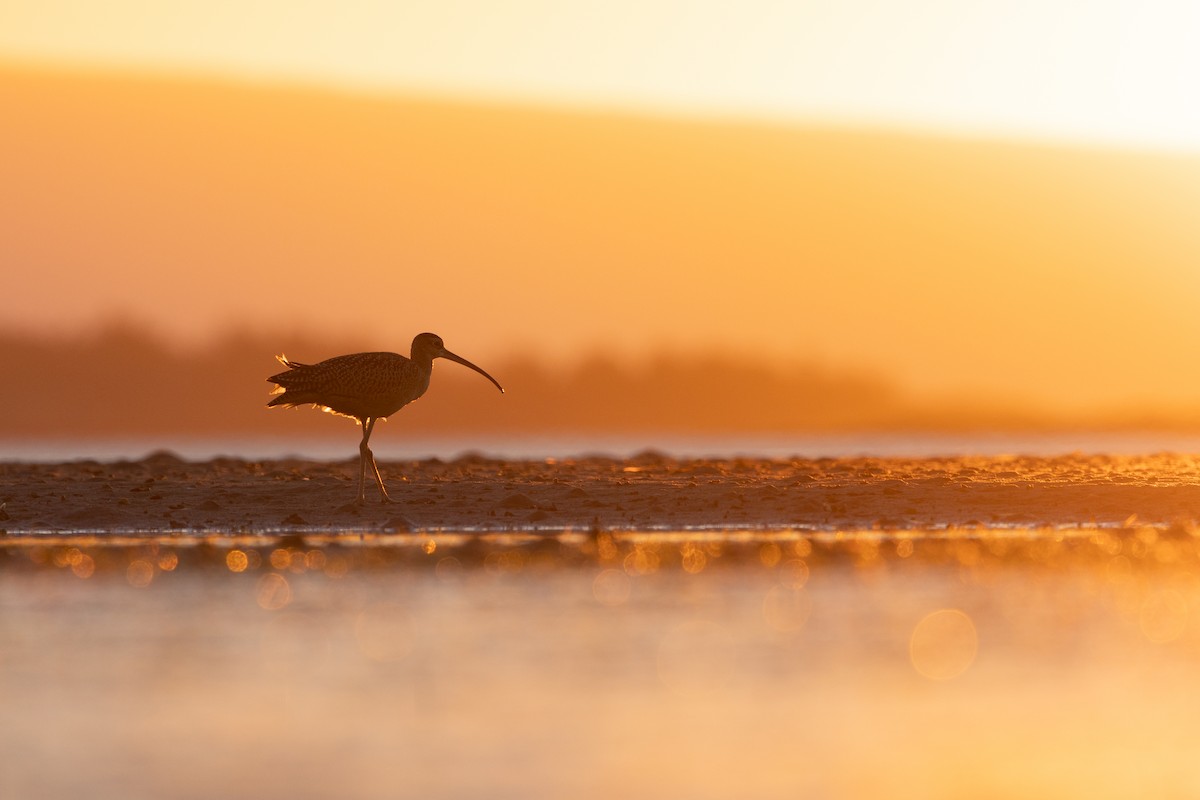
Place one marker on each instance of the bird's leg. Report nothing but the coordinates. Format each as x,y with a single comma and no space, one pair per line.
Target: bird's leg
365,455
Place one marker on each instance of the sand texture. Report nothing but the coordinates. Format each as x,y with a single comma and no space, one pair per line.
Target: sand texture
162,493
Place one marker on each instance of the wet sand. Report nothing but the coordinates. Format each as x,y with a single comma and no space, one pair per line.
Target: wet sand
646,628
163,493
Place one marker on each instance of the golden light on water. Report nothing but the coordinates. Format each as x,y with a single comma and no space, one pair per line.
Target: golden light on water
315,560
693,558
281,558
1118,555
727,682
606,547
770,554
642,560
944,644
236,560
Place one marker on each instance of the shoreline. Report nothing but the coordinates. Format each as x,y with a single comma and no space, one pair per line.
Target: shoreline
164,494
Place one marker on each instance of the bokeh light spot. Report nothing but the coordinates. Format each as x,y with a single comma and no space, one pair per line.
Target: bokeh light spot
944,644
236,561
770,555
83,566
448,567
274,592
315,560
606,547
139,574
794,573
692,558
642,560
611,587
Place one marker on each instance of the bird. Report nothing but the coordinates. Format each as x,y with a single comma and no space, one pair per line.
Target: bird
366,387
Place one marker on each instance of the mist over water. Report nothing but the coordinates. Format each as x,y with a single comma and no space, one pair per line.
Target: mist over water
781,666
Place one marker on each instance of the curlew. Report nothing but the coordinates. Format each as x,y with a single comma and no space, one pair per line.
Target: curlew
367,387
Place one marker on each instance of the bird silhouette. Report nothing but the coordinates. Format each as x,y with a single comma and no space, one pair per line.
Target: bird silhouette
366,387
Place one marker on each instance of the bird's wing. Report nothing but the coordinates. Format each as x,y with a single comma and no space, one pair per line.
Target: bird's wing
358,385
357,375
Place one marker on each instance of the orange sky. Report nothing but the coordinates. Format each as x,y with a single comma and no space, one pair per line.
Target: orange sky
966,199
1066,276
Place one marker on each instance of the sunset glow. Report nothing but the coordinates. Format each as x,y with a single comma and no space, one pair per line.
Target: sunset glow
834,428
1107,71
962,201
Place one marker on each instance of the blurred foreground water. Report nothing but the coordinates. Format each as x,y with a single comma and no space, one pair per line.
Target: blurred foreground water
842,665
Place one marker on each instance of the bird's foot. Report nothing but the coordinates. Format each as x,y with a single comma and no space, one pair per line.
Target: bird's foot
385,499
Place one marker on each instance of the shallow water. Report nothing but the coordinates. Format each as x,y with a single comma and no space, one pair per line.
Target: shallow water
984,664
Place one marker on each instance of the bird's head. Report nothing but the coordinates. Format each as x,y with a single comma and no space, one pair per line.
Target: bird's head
428,346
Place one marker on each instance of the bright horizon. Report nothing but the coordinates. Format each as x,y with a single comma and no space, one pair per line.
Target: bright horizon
1116,72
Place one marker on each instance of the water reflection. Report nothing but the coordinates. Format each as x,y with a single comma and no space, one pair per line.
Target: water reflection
596,664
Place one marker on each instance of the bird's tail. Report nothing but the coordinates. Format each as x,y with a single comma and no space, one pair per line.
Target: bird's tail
281,381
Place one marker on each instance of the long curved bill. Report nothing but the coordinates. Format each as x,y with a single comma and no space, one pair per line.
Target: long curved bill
460,360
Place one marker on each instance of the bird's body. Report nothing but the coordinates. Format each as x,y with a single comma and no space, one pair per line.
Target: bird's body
360,386
366,387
